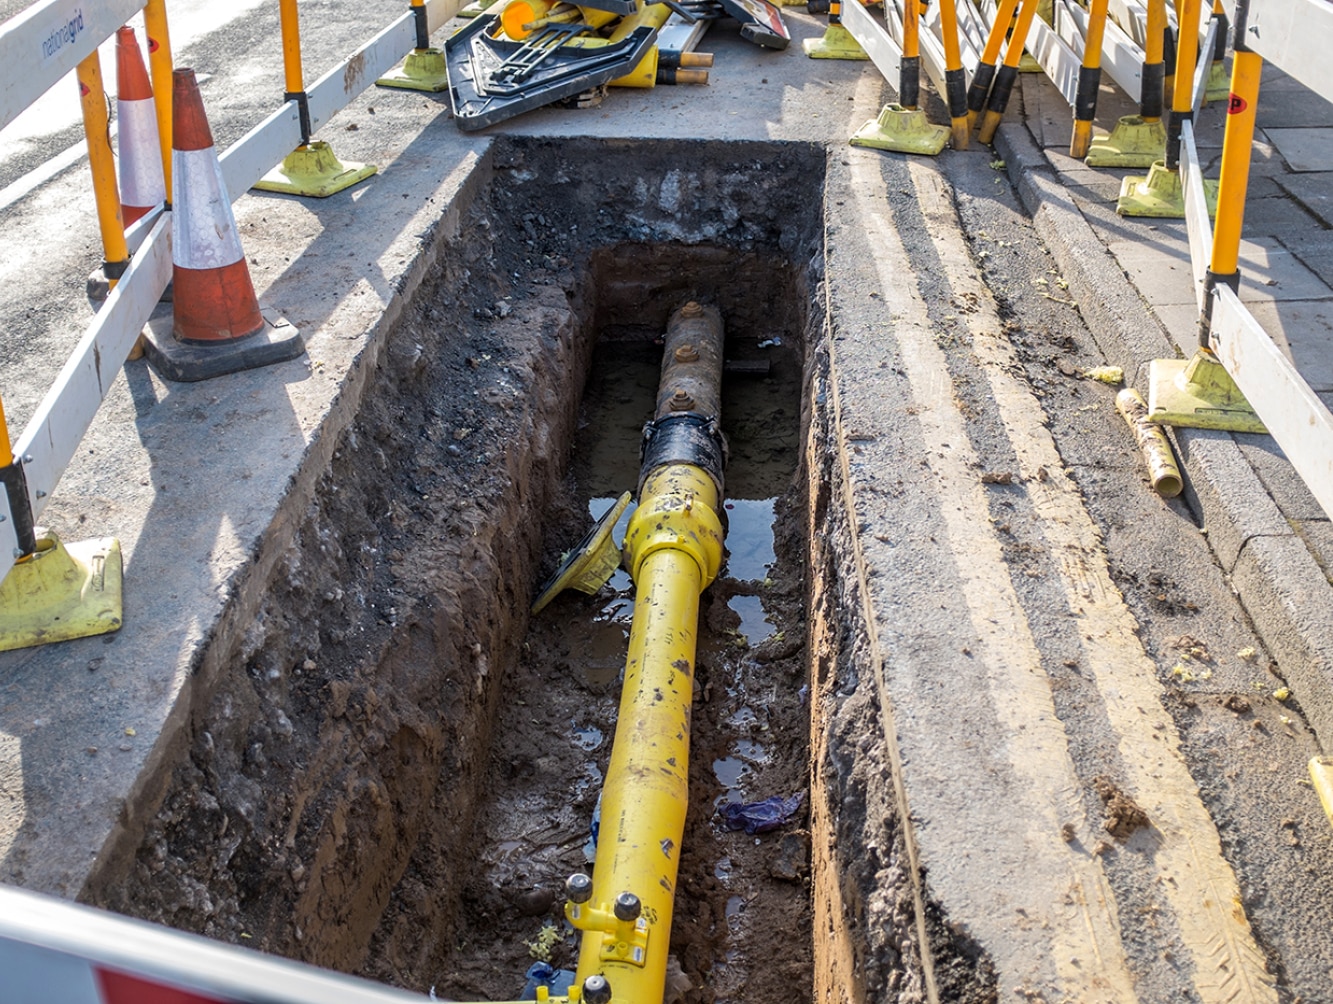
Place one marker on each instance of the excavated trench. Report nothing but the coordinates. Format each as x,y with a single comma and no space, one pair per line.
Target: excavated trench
397,766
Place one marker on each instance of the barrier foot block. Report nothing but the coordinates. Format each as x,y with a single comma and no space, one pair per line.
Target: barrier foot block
477,8
187,362
1198,393
422,70
836,43
314,170
1219,83
902,130
1160,194
1027,63
61,592
1132,143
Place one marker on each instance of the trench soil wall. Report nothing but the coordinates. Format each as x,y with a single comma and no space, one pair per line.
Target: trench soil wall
322,797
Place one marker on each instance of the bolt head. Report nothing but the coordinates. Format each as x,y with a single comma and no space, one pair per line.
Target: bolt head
627,907
687,354
681,400
578,887
596,990
691,309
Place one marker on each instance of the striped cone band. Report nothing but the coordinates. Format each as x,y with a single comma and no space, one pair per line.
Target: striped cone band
213,298
142,184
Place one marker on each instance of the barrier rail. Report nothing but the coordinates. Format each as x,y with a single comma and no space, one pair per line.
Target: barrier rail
53,950
1237,361
41,46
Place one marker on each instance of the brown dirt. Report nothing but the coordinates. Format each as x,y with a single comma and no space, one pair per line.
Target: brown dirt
341,792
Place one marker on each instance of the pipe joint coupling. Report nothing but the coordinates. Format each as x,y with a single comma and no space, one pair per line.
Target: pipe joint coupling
678,521
684,438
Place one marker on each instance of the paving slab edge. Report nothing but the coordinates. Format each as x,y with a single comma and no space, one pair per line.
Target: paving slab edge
1269,565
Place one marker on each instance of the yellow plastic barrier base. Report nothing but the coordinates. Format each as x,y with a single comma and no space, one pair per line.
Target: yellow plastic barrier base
1219,83
477,7
62,592
1198,393
314,171
422,70
1160,195
1132,143
836,43
1027,63
1321,773
591,564
903,130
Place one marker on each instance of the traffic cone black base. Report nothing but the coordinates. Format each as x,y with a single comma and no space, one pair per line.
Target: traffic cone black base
188,362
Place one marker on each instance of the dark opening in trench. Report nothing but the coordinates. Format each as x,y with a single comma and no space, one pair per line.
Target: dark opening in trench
394,773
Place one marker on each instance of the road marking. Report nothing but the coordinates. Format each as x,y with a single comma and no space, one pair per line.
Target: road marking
1193,874
1064,893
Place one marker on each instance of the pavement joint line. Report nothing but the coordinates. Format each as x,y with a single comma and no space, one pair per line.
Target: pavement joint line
1221,485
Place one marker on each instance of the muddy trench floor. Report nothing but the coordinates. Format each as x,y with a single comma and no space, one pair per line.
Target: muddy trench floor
741,896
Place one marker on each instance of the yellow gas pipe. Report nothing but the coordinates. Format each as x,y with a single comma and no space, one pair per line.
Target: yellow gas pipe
673,550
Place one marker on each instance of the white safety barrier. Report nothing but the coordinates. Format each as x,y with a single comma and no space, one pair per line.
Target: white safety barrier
55,952
37,49
1290,34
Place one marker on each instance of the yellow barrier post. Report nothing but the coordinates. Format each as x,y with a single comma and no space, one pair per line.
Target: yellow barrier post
1089,80
53,592
984,76
1160,193
97,129
903,127
424,69
1200,393
955,83
1008,72
1138,140
836,42
311,169
1218,86
159,69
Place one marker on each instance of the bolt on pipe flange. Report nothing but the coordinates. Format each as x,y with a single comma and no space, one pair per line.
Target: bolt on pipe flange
681,400
691,309
687,354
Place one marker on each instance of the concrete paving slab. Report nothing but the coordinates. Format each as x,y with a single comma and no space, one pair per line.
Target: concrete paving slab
1181,321
1314,192
1270,272
1303,330
1295,107
1305,150
1318,537
1275,471
1160,271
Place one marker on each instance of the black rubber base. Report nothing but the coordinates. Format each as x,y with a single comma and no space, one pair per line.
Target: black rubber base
189,362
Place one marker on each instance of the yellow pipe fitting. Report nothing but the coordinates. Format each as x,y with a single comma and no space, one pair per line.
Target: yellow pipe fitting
678,510
646,794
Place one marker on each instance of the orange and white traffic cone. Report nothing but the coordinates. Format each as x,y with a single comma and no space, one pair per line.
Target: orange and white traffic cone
216,325
142,182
